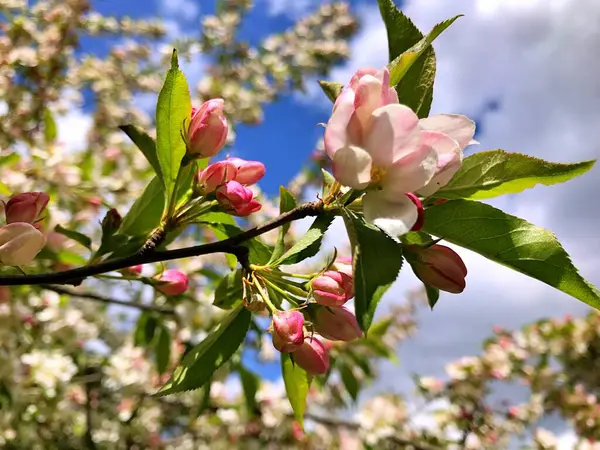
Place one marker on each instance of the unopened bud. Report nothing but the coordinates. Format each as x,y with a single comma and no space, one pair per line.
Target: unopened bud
420,212
248,172
332,288
172,282
288,330
207,131
20,243
26,207
133,271
438,266
335,323
312,356
214,176
237,199
111,222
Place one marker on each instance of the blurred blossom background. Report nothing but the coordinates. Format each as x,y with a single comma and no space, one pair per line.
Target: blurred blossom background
525,70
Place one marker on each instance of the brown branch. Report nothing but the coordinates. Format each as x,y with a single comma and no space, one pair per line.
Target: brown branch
108,300
231,245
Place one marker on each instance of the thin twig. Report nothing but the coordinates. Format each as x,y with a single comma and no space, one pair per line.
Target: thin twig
231,245
108,300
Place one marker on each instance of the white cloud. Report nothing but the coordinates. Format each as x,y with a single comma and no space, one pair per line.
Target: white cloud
293,9
73,128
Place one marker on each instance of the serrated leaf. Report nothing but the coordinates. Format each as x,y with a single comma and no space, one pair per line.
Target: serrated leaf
496,172
146,212
287,202
146,145
250,384
510,241
400,65
417,238
328,181
377,262
379,328
162,350
199,364
228,294
50,130
297,382
309,244
416,87
173,110
74,235
433,295
331,89
350,381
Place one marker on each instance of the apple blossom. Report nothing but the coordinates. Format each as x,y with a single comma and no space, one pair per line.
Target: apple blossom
438,266
214,176
237,199
288,330
312,356
26,207
248,172
207,130
332,288
20,242
172,282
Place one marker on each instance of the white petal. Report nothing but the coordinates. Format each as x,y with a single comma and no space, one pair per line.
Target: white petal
352,167
20,243
410,173
336,132
395,218
449,160
393,134
458,127
367,99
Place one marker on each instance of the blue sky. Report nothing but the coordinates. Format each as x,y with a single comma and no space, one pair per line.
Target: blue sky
522,68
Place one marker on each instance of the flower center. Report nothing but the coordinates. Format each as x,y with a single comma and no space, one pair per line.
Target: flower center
377,174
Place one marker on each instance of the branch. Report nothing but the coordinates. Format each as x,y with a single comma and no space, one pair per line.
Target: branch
231,245
108,300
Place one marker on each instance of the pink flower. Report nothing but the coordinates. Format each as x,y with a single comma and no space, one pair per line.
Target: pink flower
207,132
288,330
26,207
343,264
312,356
336,323
133,270
438,266
20,243
333,288
237,199
248,172
172,282
376,143
4,294
215,175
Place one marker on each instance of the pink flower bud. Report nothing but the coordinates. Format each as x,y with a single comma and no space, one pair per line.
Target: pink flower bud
237,199
172,282
215,175
336,323
208,129
248,172
343,264
440,267
312,357
26,207
332,288
420,212
133,270
288,330
19,243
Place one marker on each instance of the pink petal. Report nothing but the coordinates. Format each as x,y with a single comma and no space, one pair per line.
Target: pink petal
410,173
449,161
458,127
367,99
393,134
394,217
336,133
352,167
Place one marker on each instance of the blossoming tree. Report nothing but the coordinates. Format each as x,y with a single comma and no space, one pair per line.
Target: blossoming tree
149,217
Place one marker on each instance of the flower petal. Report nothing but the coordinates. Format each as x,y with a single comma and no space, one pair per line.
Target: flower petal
394,217
449,160
458,127
410,173
352,167
393,134
367,99
336,132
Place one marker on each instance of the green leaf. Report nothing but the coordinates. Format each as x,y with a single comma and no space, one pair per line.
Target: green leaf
259,251
331,88
75,235
228,294
350,381
328,181
4,190
10,159
377,262
199,364
296,382
250,385
433,295
287,202
50,130
496,172
309,244
145,329
162,350
510,241
145,214
400,66
416,87
145,143
173,111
